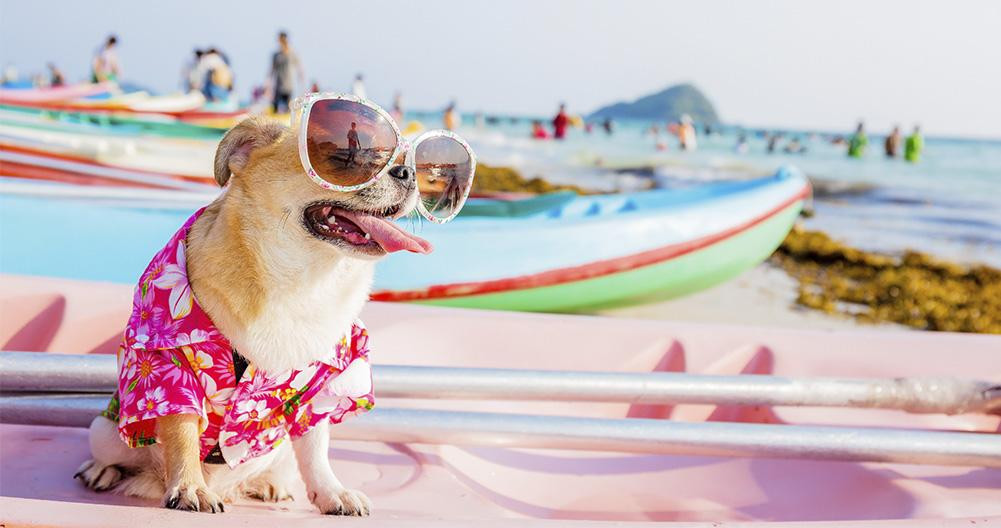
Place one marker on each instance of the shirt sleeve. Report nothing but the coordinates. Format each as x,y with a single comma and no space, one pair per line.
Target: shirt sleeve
153,384
344,393
359,340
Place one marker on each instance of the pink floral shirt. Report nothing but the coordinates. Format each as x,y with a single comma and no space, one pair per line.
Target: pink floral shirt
173,360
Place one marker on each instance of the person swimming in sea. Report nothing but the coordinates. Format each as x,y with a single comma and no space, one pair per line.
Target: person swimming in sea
686,133
742,146
560,122
794,147
914,145
539,131
858,142
892,143
608,126
773,141
451,117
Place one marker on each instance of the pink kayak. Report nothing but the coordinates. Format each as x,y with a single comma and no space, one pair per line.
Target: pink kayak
422,484
59,93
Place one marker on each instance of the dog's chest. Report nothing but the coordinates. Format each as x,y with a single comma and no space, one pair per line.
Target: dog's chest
302,324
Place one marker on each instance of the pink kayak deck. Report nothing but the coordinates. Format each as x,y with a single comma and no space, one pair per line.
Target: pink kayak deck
425,485
59,93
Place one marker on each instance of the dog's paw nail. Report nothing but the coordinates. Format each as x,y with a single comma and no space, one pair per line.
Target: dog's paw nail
172,502
344,502
82,469
99,477
193,497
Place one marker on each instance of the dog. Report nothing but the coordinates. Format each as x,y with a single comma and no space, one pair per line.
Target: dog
278,269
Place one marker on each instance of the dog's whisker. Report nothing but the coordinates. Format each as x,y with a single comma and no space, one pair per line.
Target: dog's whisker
413,216
288,213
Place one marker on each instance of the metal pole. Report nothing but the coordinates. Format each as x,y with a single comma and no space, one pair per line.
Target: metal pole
603,434
44,372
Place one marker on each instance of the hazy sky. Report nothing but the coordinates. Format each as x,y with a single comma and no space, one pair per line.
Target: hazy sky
770,63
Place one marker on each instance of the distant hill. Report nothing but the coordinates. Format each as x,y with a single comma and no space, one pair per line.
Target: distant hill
666,105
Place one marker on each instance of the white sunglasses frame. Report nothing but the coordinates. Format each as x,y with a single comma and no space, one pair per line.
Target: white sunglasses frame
299,110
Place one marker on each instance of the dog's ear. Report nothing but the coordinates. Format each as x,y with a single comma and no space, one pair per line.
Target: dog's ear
235,148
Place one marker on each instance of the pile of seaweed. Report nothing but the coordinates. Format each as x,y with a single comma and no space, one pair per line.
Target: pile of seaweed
911,289
506,179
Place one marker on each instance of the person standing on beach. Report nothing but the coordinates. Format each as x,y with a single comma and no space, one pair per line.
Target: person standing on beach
192,74
354,145
858,142
56,77
218,77
560,122
892,143
283,62
105,66
914,145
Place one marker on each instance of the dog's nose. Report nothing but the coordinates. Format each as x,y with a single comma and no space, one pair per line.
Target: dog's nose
402,172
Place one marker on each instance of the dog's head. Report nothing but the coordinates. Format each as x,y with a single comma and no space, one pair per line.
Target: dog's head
259,159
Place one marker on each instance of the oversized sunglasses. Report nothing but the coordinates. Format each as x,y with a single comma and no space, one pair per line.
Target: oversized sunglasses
346,143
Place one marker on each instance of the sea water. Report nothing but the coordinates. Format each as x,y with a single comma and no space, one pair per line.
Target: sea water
947,204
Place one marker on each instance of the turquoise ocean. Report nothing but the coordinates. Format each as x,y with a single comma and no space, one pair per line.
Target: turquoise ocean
948,204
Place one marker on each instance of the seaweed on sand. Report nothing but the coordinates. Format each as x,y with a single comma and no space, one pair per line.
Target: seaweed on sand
506,179
911,289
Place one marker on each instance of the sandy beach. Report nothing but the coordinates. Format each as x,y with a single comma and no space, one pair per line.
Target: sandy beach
762,296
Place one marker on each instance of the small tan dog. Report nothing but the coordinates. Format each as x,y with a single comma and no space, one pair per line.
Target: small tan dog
269,263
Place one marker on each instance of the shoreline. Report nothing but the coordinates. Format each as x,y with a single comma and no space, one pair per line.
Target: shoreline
815,281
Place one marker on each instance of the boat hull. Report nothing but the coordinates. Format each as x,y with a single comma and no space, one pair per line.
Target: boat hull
689,270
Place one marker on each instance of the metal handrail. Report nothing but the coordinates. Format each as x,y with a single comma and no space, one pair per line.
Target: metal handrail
633,435
47,372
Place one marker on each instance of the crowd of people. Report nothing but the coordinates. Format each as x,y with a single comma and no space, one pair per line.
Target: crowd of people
210,73
855,145
562,121
913,145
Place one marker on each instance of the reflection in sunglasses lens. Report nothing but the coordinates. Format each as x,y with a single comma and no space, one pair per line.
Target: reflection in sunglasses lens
444,174
348,143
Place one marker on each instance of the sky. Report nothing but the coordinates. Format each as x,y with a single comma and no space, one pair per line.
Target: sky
782,63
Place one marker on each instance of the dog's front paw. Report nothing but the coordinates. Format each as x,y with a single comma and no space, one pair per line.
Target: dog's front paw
98,476
342,502
192,497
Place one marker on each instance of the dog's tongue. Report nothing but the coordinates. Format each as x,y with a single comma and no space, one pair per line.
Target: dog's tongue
390,236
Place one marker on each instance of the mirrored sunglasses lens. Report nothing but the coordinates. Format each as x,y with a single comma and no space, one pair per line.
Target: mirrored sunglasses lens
444,174
348,143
